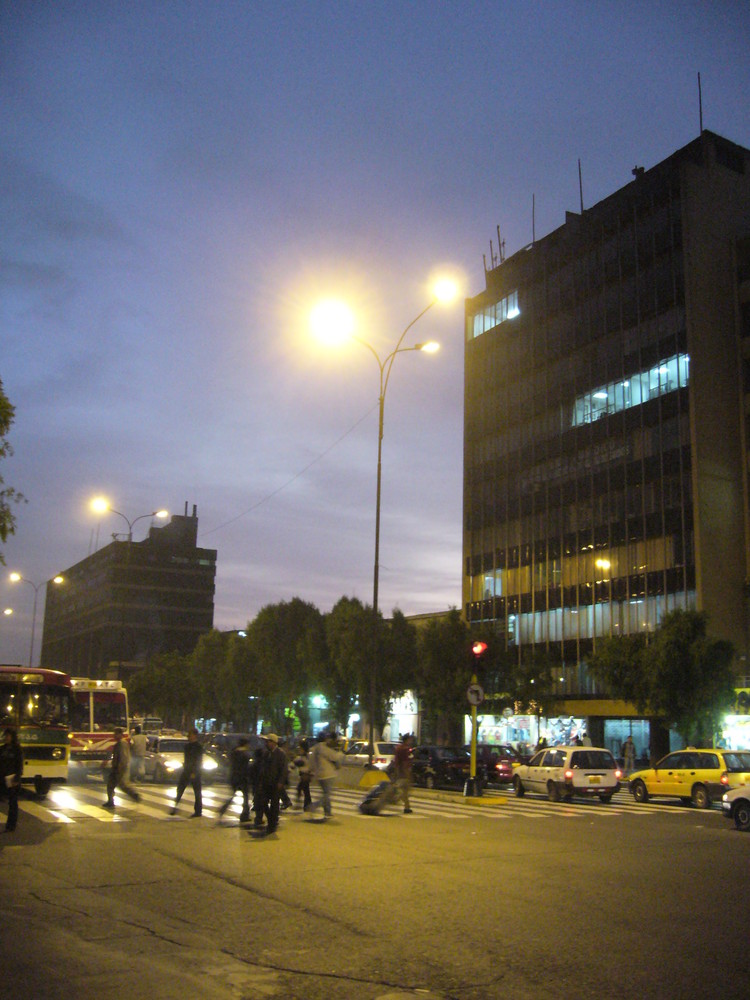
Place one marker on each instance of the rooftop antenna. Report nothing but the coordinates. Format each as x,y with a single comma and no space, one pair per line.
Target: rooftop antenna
500,245
700,105
493,258
580,184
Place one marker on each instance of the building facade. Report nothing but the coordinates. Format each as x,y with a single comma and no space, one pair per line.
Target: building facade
131,600
607,393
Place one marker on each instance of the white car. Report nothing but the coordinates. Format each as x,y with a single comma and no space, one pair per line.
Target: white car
562,772
358,753
164,760
735,804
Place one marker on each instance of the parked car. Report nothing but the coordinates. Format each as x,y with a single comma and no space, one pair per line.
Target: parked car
735,804
434,766
358,753
562,772
494,763
694,776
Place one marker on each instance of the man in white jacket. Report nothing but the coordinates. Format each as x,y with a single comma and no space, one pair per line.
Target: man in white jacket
325,761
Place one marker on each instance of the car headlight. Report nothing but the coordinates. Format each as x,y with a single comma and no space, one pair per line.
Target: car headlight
209,764
172,765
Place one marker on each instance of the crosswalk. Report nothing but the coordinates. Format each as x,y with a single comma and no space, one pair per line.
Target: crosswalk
79,803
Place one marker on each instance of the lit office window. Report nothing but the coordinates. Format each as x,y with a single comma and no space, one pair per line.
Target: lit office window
657,381
492,315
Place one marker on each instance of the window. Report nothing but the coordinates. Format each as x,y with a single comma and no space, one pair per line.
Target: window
668,375
494,314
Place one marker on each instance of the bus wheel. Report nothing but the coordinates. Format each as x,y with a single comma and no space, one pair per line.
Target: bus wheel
42,787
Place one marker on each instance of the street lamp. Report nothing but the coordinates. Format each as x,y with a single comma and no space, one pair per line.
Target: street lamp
100,505
333,322
17,578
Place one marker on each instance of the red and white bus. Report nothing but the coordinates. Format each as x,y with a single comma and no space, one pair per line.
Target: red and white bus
36,703
98,707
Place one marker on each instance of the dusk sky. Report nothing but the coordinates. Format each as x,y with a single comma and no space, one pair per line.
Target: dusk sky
180,182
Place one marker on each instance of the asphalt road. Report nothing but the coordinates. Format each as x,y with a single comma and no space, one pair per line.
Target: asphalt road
476,900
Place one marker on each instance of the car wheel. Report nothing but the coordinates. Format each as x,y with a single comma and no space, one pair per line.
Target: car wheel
606,798
160,775
518,787
701,798
742,815
553,792
640,792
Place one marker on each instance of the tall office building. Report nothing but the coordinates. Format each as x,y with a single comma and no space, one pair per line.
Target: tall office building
131,600
607,393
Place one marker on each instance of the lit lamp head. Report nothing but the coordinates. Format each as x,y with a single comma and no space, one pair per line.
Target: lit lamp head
332,322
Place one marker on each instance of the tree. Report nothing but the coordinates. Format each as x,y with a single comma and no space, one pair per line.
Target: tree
680,675
8,495
280,641
444,670
348,630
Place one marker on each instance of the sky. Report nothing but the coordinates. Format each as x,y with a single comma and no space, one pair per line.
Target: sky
180,182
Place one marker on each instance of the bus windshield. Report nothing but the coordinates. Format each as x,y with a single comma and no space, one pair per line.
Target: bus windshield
35,704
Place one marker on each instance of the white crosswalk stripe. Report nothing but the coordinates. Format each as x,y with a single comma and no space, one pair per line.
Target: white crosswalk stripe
76,803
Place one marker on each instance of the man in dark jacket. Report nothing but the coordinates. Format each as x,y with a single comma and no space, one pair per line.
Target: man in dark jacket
272,777
11,769
239,779
191,773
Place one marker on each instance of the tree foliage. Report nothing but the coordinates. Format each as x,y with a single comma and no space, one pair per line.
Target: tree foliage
681,675
444,670
8,496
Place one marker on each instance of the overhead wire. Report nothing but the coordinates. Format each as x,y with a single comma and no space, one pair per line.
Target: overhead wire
292,479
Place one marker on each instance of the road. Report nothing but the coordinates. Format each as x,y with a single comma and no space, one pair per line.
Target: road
469,899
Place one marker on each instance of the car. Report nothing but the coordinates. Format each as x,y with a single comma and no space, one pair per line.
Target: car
692,775
166,756
220,746
566,771
735,804
494,763
438,766
358,754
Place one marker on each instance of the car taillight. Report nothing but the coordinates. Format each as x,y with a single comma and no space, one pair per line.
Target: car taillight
378,760
568,775
724,779
618,774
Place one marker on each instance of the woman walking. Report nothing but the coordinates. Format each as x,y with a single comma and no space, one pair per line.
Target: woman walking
11,769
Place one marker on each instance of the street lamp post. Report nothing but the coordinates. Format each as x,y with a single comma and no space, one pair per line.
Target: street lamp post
385,365
336,314
102,506
17,578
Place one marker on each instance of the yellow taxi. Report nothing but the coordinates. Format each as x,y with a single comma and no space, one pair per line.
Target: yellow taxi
694,776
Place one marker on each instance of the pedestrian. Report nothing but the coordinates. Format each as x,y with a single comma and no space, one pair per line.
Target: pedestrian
286,802
191,774
402,769
302,763
11,770
325,761
119,771
628,755
138,747
586,741
271,780
239,778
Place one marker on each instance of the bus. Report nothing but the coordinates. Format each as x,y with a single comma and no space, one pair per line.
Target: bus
36,703
98,707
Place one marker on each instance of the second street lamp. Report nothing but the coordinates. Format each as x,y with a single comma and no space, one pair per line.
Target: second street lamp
100,505
332,321
17,578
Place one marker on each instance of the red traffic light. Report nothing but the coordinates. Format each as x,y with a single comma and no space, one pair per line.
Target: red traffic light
478,648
